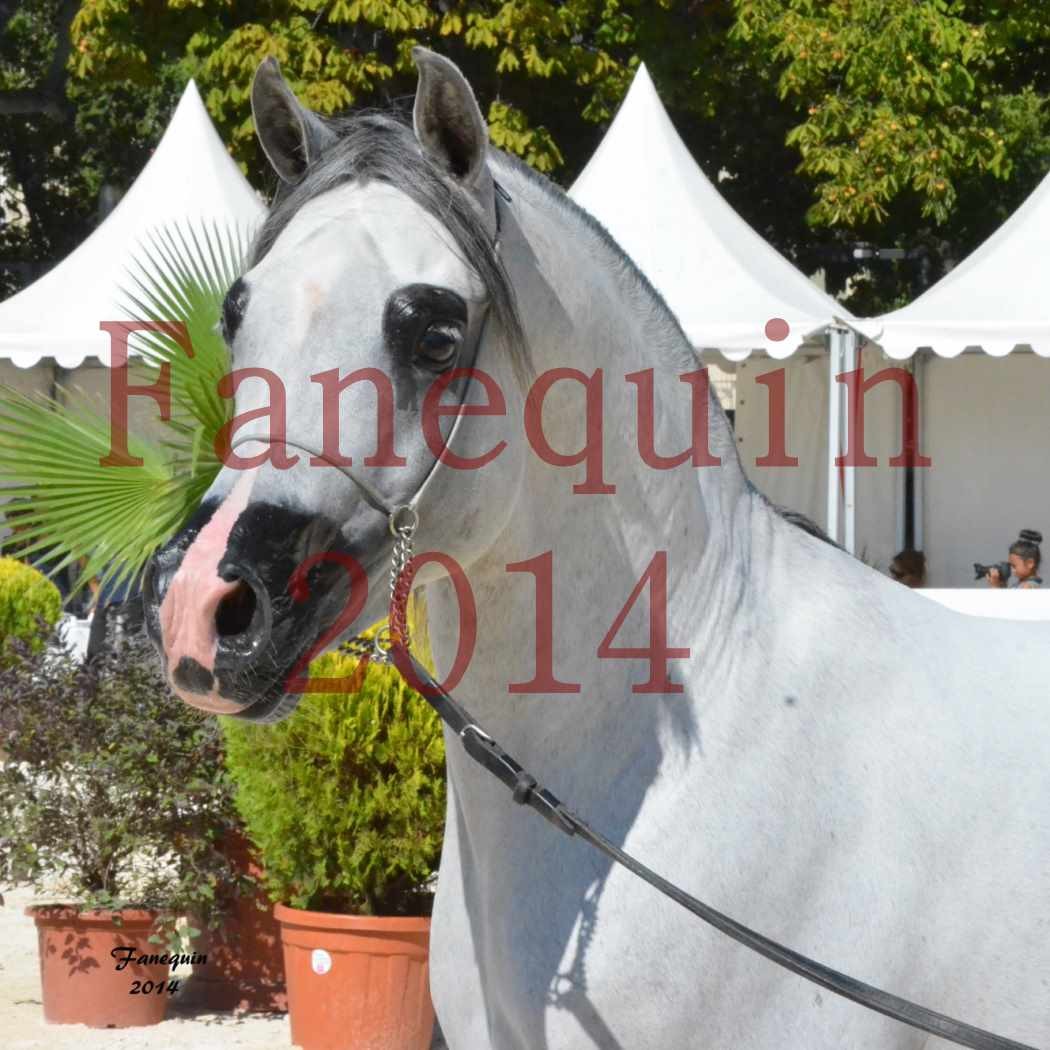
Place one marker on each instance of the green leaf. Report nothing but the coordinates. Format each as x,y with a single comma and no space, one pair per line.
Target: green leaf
54,452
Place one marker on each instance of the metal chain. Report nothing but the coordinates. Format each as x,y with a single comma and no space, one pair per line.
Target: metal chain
403,524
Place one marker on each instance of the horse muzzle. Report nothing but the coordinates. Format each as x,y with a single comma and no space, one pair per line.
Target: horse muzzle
210,597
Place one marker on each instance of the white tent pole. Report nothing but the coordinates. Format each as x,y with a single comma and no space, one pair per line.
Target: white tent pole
919,486
834,421
850,509
900,486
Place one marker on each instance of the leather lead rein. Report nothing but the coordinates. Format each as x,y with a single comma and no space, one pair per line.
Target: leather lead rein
526,791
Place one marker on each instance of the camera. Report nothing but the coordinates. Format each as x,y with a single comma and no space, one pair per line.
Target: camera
980,571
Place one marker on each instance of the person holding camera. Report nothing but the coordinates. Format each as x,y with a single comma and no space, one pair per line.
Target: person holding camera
1024,560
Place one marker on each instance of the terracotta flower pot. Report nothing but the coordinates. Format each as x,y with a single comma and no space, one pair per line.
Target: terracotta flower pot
78,970
245,961
356,982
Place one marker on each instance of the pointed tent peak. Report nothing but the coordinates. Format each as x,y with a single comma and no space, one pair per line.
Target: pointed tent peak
641,84
189,107
190,181
719,277
994,300
642,80
189,119
190,93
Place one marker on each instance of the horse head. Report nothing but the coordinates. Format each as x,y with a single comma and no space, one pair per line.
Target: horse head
370,292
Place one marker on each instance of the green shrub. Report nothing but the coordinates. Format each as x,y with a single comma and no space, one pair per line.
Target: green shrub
113,793
30,604
345,799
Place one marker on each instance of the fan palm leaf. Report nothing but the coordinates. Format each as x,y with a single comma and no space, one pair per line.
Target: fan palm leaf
70,505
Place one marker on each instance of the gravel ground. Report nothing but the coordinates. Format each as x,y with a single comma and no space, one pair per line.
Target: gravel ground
22,1017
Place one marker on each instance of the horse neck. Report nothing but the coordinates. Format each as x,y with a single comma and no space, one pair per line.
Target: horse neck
585,308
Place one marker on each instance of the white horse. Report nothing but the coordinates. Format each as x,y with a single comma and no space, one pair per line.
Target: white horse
848,768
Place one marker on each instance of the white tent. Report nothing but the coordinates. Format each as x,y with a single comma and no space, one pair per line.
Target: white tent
983,421
190,180
726,284
979,350
721,279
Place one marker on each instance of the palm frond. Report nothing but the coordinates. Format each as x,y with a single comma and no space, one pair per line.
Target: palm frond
181,278
70,505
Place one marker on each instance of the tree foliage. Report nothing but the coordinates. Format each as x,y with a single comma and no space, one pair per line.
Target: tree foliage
358,52
63,138
897,121
905,97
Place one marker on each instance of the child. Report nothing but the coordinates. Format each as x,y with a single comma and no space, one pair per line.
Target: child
1025,557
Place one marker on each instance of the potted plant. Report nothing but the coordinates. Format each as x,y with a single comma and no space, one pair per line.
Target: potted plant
346,802
114,801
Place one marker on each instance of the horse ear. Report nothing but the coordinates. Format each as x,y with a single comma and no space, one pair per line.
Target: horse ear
447,120
291,136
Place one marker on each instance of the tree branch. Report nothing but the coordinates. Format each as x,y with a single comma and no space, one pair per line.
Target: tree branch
31,101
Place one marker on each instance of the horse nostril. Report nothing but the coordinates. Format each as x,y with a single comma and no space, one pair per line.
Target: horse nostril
235,612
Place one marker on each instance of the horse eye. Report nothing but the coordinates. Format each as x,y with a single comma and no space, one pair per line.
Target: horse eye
439,343
233,307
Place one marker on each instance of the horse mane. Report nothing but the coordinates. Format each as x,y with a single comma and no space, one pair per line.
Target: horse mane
374,146
557,195
627,265
805,524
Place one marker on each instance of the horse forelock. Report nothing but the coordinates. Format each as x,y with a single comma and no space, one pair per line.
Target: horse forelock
378,147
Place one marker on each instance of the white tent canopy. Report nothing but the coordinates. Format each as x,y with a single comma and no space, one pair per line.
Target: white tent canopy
723,282
996,300
191,181
978,423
